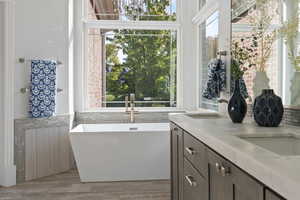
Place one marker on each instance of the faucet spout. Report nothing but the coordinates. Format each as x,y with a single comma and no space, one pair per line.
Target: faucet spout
132,111
223,101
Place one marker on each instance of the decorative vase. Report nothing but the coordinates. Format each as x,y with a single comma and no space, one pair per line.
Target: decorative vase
261,82
268,109
295,89
237,106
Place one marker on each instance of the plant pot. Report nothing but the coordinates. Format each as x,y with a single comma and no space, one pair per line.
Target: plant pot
237,106
261,82
295,89
268,109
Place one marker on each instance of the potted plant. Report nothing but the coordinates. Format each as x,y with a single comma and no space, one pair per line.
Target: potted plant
243,53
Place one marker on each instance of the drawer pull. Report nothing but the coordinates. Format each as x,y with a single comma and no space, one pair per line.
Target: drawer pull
191,181
176,131
190,150
225,171
218,167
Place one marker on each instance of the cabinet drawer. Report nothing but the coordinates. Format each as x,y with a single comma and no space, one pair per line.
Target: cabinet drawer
195,186
195,152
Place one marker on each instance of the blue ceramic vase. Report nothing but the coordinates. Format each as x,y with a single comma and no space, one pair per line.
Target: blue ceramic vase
268,109
237,106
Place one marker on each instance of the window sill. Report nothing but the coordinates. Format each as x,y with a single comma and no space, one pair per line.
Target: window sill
143,109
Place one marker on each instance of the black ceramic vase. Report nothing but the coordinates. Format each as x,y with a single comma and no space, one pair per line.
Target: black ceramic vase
268,109
237,106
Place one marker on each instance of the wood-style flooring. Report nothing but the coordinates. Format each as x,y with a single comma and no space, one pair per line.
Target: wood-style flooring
67,186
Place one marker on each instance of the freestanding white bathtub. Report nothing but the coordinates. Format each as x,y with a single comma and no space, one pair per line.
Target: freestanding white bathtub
122,152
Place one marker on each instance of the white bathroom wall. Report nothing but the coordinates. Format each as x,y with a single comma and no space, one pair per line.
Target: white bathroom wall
1,90
41,32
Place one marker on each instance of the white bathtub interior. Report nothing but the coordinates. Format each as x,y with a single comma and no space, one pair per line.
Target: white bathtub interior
122,152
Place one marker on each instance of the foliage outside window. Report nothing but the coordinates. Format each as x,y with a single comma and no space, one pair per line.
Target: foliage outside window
131,10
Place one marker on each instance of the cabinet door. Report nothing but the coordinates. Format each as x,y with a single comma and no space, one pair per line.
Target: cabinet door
227,182
176,162
272,196
244,187
219,186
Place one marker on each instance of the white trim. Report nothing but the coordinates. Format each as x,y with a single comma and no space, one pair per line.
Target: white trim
209,8
201,16
79,92
140,25
8,168
280,57
139,109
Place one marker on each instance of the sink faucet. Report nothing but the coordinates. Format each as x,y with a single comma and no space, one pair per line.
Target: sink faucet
223,101
132,111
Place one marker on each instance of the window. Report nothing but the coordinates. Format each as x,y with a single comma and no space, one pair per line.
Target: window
139,60
209,42
243,13
130,10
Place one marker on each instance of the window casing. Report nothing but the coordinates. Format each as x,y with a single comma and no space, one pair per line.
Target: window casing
99,34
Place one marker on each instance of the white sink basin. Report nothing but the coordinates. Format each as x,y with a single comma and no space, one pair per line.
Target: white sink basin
284,144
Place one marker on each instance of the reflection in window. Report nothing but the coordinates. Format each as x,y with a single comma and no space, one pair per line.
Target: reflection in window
243,13
128,10
209,33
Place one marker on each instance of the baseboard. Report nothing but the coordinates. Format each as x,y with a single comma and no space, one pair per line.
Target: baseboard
7,176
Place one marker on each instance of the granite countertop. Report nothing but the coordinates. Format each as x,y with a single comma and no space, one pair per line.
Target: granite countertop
280,173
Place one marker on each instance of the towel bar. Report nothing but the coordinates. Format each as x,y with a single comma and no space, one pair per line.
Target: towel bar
25,90
23,60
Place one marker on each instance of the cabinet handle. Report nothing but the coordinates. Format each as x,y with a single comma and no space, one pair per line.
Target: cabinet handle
190,150
175,130
225,171
191,181
218,167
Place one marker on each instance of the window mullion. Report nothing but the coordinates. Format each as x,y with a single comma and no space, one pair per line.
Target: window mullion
145,25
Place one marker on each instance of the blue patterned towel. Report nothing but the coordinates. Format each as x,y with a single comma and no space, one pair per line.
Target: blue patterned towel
43,88
216,82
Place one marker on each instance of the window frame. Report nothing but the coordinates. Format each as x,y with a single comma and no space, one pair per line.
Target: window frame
137,25
202,15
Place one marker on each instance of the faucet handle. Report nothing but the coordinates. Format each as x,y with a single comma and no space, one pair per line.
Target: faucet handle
126,102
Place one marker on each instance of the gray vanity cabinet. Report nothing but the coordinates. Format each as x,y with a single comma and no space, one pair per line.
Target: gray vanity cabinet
227,182
176,162
200,173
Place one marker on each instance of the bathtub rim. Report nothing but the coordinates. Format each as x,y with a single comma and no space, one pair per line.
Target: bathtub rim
79,129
